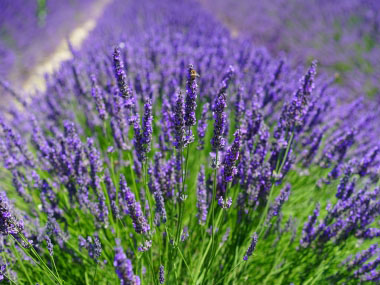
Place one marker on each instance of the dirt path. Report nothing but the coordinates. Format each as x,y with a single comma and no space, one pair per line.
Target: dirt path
51,62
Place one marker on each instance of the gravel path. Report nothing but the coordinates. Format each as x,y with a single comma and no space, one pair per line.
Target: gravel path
52,62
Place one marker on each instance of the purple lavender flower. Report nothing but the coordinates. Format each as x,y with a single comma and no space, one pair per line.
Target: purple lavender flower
95,163
111,191
368,267
99,102
251,248
143,136
124,269
9,225
225,236
367,161
315,141
3,271
147,124
17,183
225,204
82,242
117,134
166,123
202,197
191,97
179,123
369,233
293,114
253,124
226,80
121,77
202,126
373,276
239,106
134,209
16,147
185,233
160,204
344,182
275,209
102,214
92,245
232,155
337,149
49,245
309,231
146,246
361,257
161,277
217,141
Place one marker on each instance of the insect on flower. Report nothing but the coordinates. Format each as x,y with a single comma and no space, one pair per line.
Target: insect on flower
193,74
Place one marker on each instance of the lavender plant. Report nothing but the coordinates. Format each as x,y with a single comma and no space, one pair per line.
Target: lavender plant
168,152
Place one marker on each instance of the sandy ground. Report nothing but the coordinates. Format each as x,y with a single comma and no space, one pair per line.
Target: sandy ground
51,63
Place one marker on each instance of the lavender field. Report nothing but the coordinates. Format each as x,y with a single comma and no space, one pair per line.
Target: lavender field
191,142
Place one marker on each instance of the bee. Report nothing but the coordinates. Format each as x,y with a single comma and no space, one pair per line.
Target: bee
193,74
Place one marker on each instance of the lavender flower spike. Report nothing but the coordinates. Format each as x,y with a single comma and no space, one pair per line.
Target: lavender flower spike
202,126
275,209
143,136
120,75
191,97
232,155
217,140
123,267
179,123
134,209
147,125
162,275
309,230
251,248
202,197
96,94
49,245
8,223
367,161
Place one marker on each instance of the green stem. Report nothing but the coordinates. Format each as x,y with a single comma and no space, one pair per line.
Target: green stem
178,231
41,263
278,170
187,266
38,257
200,270
213,202
9,278
55,267
22,264
147,192
212,217
225,275
150,260
96,269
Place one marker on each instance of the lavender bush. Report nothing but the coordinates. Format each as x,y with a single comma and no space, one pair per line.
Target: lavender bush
167,152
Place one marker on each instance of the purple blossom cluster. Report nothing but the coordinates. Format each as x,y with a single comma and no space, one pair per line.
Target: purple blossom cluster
133,208
124,268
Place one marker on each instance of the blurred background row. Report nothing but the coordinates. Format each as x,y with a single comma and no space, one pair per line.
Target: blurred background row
31,31
344,38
